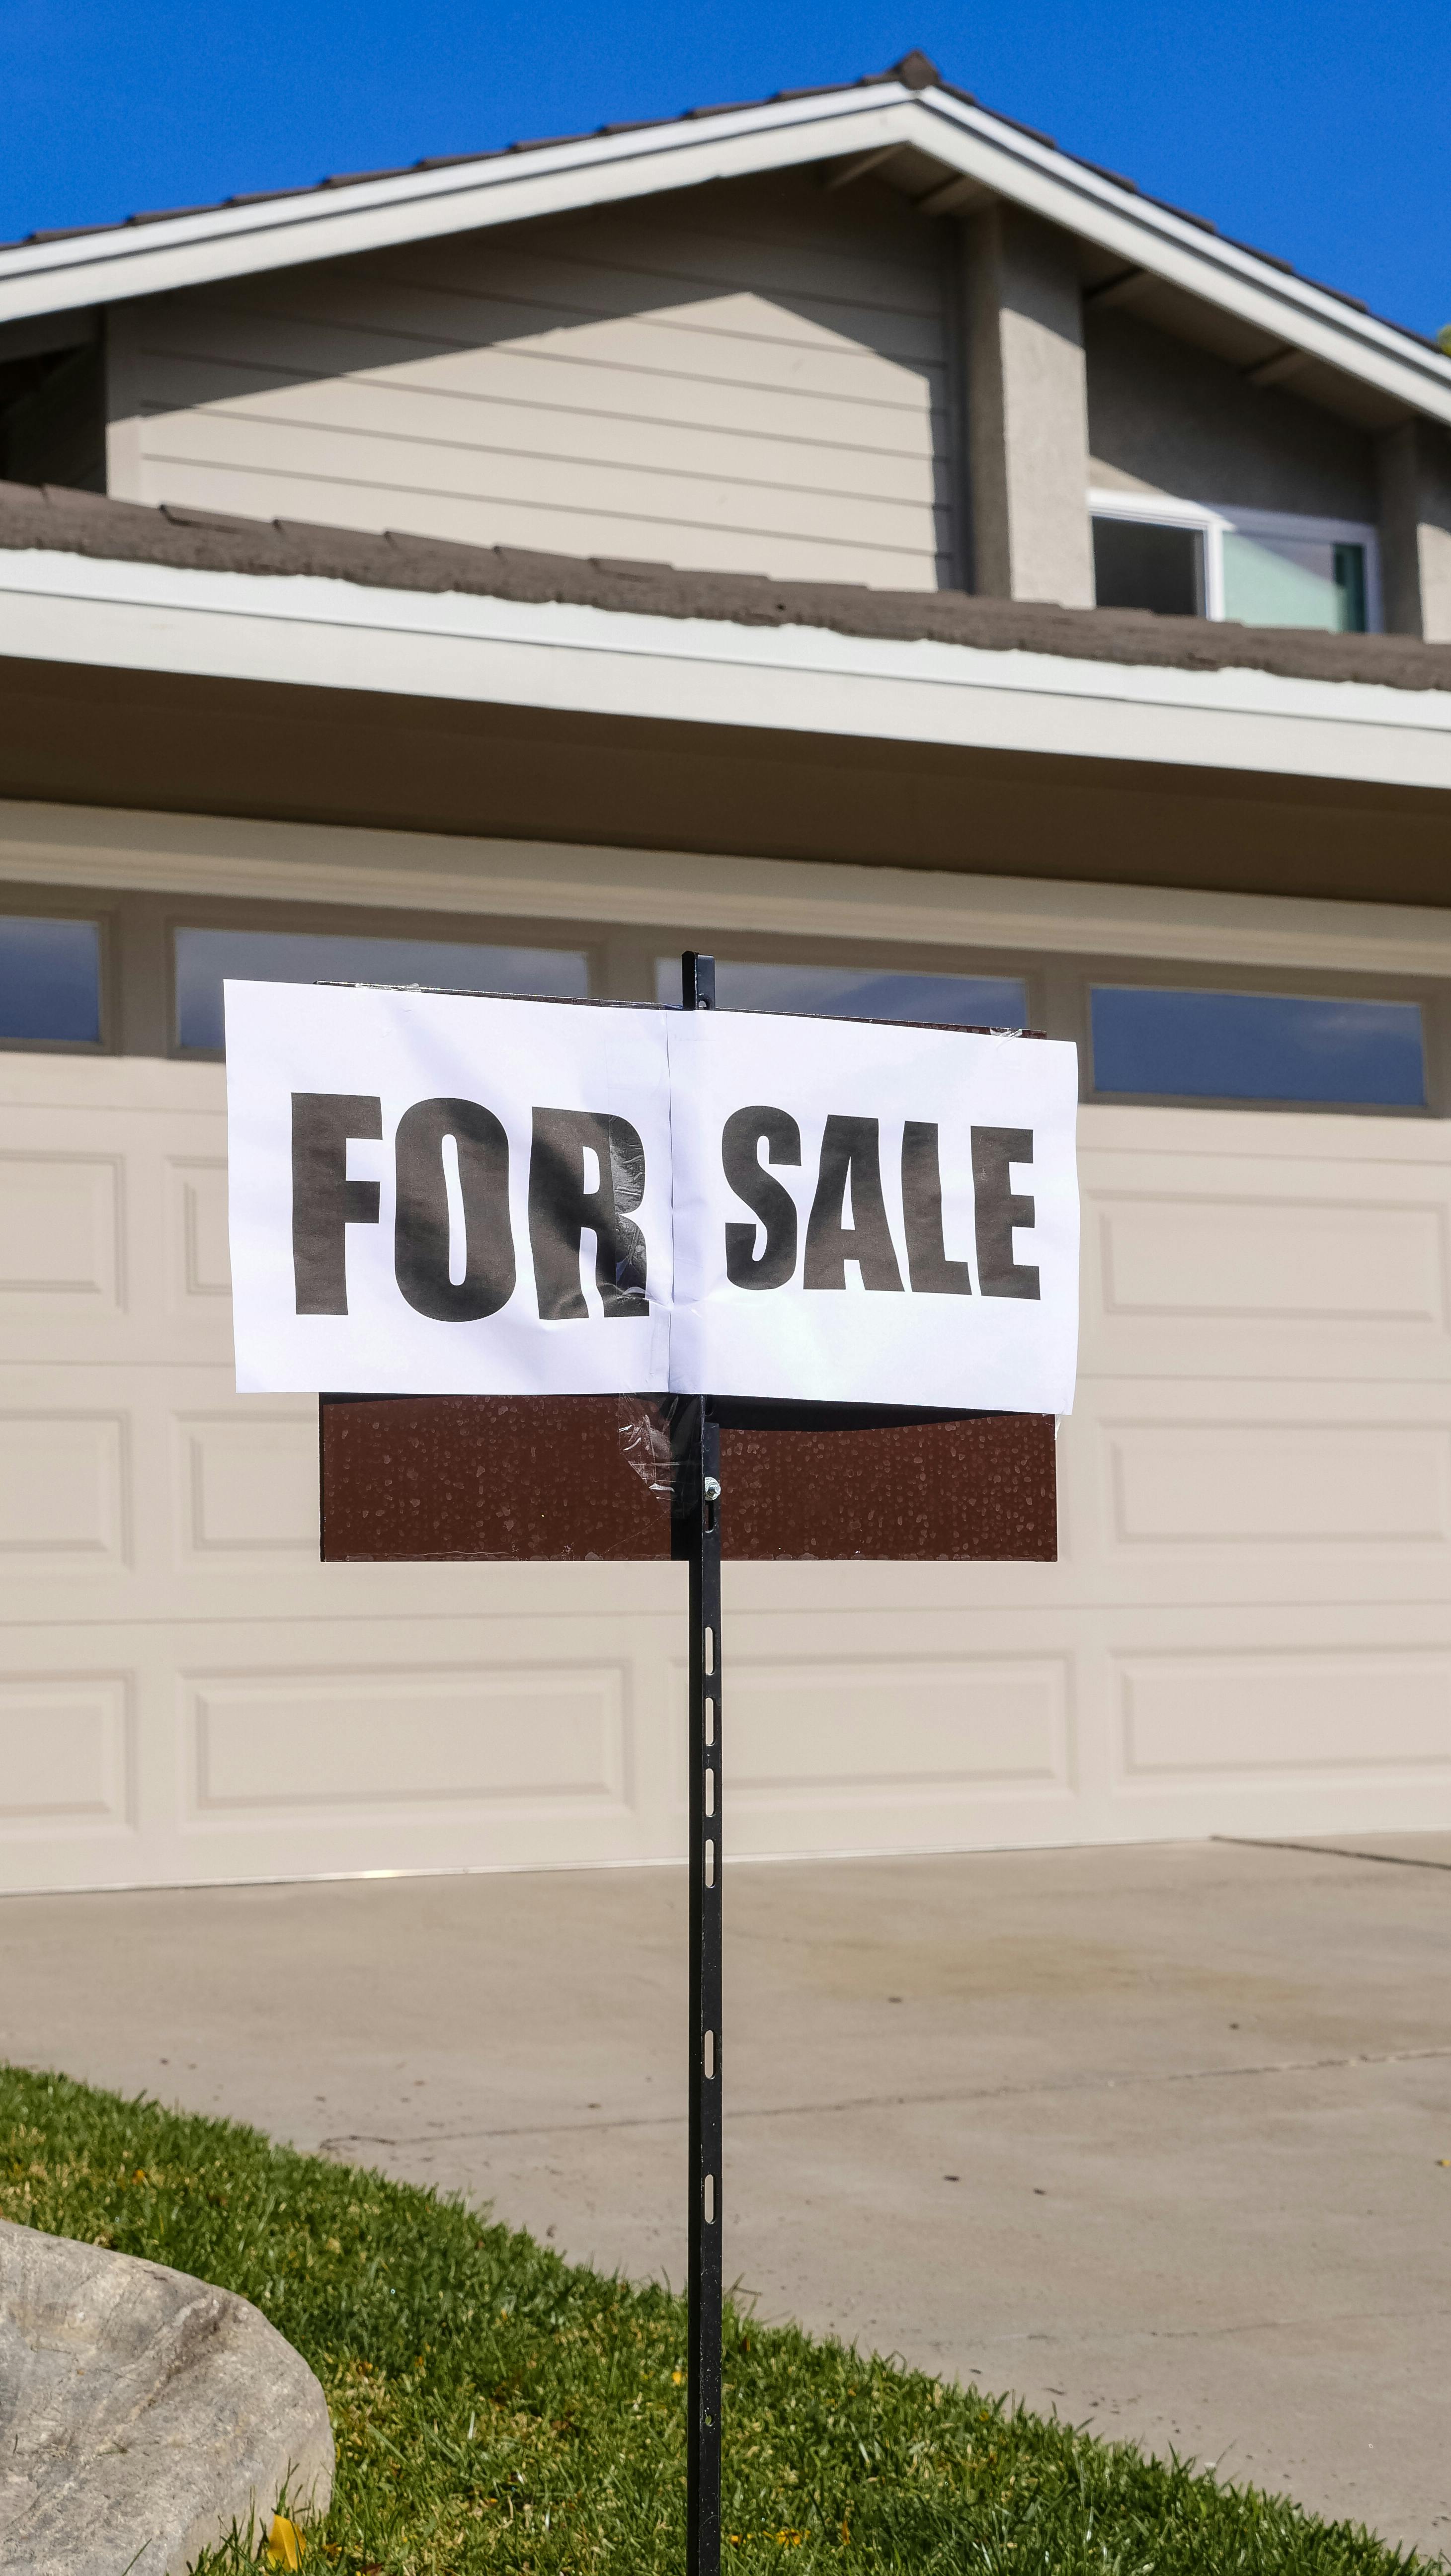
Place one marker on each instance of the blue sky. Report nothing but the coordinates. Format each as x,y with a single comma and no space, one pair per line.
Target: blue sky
1317,129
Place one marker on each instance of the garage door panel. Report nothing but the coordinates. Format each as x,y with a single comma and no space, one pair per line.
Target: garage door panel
1232,1259
300,1747
199,1262
309,1743
62,1241
864,1725
161,1495
112,1233
1208,1264
1256,1491
1365,1711
126,1500
65,1493
1258,1484
243,1750
246,1488
67,1754
900,1753
895,1727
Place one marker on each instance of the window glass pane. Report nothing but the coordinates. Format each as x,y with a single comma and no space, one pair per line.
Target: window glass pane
50,979
1349,579
1294,581
1139,565
1258,1046
203,957
859,993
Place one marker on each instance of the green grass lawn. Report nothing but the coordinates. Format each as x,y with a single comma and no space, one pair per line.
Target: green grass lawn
497,2408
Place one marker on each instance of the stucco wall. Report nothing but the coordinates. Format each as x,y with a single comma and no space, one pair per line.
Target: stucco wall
1164,416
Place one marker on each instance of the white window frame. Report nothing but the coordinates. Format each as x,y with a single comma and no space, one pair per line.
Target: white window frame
1159,509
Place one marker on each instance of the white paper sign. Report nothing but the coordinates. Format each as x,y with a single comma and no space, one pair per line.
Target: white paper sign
436,1193
405,1171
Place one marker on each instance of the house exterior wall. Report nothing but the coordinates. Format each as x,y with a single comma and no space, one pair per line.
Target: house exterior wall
1164,416
1027,426
1247,1631
755,376
1415,503
770,375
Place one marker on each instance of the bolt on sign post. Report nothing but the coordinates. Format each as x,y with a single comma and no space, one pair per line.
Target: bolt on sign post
594,1281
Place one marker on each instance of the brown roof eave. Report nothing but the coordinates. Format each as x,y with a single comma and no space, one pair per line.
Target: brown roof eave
56,520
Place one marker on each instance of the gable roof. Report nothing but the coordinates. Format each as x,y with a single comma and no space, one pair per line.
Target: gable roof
972,155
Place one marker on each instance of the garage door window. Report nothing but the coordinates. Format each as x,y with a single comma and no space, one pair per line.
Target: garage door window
50,981
1312,1047
204,957
860,993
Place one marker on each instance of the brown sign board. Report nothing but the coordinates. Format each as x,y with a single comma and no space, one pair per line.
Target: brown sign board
550,1479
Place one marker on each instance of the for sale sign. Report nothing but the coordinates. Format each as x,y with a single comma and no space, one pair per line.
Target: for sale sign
448,1194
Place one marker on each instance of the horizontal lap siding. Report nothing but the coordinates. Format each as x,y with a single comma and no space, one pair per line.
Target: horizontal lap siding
753,378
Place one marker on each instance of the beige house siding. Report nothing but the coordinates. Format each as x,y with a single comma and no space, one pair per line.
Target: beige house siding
1166,417
753,376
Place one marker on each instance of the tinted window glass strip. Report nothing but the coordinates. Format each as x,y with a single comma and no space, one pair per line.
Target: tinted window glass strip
50,981
860,993
1313,1047
204,957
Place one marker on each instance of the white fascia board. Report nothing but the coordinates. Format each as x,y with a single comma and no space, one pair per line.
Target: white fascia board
373,214
424,205
313,633
1148,236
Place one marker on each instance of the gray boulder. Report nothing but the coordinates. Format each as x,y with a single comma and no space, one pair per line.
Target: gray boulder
141,2413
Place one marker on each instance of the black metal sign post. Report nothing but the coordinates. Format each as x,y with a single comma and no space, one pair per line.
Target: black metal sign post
698,1530
419,1479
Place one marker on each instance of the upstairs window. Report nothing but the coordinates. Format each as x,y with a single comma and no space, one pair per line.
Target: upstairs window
1140,563
1277,578
1180,559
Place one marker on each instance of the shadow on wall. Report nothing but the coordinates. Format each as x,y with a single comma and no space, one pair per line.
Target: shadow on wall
1166,416
750,376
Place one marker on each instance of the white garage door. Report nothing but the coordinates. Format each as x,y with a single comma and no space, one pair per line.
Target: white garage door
1249,1632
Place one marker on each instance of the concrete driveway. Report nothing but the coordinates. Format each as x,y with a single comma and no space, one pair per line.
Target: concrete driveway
1157,2136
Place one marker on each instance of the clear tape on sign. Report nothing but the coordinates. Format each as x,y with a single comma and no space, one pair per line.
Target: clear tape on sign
650,1444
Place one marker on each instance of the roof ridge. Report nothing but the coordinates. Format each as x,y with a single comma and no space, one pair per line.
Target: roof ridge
914,71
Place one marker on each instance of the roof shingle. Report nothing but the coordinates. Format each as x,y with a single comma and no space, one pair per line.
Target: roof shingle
57,520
